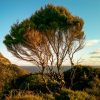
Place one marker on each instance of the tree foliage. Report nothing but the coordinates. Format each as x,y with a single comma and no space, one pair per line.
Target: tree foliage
46,38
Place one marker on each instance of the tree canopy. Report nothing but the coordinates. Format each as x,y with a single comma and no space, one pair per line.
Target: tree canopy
49,18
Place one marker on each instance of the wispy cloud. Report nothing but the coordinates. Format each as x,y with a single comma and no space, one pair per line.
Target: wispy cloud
95,57
92,42
91,61
96,52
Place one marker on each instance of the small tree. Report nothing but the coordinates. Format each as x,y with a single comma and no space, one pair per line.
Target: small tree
46,38
75,46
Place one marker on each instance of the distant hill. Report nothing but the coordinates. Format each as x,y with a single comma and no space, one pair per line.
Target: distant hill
4,60
9,72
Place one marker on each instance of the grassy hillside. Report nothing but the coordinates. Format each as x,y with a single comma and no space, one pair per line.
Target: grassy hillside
8,73
18,84
33,88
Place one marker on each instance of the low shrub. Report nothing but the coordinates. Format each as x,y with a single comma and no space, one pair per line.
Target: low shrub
35,83
26,97
75,95
48,96
94,91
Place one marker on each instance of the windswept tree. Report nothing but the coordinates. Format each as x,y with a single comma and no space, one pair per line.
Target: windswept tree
46,39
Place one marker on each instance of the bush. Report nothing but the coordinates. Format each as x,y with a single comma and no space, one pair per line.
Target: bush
54,86
94,91
29,95
83,76
48,96
75,95
35,83
26,97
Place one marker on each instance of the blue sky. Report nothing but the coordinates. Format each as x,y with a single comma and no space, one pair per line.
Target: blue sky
88,10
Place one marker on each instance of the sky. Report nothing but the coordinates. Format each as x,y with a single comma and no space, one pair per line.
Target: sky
88,10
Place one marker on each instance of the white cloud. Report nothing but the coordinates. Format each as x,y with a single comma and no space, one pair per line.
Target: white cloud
92,42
